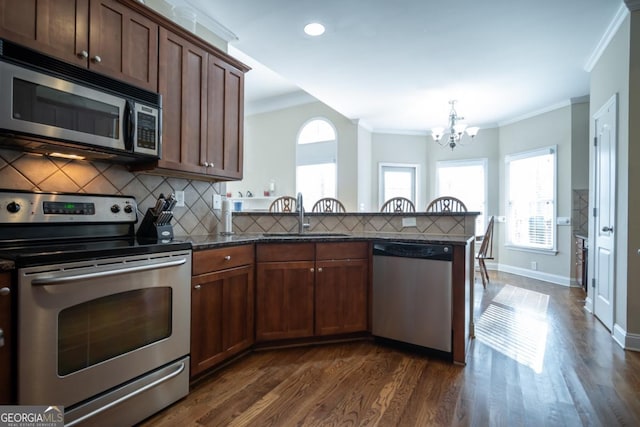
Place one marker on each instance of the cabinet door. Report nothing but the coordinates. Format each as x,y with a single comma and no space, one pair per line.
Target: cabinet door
284,300
222,307
54,27
6,324
341,299
123,44
182,82
225,119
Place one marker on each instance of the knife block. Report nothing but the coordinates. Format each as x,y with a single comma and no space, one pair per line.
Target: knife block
152,228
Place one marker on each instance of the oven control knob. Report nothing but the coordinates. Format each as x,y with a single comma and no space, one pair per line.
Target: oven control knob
115,208
128,209
13,207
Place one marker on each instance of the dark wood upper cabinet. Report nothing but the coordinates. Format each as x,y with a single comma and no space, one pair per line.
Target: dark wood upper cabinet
104,35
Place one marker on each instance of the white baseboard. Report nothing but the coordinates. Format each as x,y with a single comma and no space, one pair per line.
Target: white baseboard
534,274
626,340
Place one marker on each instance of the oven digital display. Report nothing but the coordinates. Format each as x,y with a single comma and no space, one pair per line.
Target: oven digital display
68,208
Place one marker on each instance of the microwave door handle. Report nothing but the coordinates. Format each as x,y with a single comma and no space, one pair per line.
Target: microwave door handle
129,125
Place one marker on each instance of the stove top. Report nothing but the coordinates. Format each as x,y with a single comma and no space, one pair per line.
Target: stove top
51,228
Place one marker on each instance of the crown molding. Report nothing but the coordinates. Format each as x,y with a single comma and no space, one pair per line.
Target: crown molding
611,31
535,113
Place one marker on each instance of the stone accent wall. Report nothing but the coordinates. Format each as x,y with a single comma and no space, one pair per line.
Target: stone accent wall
22,171
580,212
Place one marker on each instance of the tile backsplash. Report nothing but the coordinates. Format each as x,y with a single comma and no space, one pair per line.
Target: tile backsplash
580,212
23,171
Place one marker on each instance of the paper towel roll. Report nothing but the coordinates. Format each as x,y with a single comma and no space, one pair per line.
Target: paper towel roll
227,217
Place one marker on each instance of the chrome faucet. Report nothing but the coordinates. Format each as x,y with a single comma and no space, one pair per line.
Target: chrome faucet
300,209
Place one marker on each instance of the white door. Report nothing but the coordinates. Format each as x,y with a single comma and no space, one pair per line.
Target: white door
605,121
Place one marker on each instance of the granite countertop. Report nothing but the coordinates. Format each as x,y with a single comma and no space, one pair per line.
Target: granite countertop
215,240
200,242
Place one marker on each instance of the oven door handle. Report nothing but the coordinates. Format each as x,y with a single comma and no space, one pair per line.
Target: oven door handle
157,382
87,276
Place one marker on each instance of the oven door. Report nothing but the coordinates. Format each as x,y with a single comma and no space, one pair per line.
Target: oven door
45,106
86,327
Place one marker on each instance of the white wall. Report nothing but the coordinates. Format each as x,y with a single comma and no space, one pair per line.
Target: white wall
270,151
551,128
608,77
365,166
407,149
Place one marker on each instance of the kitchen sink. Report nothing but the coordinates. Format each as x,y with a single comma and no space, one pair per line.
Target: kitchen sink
309,234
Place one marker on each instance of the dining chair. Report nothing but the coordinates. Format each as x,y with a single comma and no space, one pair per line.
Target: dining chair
328,205
485,252
398,204
446,204
283,204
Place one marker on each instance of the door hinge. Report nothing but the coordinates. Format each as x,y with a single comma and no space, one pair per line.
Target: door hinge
595,141
595,212
593,282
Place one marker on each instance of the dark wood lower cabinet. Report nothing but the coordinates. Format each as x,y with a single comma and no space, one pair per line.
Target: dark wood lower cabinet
284,300
222,316
341,296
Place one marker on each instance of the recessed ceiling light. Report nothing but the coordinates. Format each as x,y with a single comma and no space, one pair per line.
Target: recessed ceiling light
314,29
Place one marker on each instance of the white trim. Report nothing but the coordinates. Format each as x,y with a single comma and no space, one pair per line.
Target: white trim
624,339
535,274
611,31
416,184
279,102
535,113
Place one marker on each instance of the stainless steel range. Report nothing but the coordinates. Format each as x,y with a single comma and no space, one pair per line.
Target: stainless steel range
103,319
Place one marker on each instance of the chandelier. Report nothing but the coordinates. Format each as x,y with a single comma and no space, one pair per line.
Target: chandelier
455,130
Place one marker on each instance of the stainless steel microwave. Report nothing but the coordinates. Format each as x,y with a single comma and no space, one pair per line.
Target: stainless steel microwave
54,108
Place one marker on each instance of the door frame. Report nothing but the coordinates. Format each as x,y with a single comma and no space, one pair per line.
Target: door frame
593,219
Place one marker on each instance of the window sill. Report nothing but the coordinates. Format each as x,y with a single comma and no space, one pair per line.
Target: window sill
552,252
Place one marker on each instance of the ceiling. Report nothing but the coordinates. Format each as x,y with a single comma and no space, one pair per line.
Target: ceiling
394,65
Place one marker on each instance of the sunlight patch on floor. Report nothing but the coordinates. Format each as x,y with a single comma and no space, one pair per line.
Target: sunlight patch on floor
515,325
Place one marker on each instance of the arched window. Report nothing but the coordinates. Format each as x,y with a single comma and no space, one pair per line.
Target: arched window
316,152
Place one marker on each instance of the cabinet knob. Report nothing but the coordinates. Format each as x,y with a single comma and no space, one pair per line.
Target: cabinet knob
312,269
197,287
5,291
319,269
205,164
227,258
96,59
83,54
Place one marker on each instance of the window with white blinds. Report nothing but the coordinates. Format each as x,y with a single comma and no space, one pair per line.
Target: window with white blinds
531,199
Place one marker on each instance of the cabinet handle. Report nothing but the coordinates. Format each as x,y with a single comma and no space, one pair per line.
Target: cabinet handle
319,269
5,291
1,338
197,286
227,258
96,59
83,54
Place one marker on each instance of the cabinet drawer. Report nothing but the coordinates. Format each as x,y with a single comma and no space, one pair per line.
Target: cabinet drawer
342,250
283,252
219,259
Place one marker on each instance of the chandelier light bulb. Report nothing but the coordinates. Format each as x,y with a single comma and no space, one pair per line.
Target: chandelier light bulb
455,130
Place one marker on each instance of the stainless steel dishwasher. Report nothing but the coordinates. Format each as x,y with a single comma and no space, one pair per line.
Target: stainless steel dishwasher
412,293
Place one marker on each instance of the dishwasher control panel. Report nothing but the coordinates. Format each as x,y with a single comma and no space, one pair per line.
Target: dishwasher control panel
414,250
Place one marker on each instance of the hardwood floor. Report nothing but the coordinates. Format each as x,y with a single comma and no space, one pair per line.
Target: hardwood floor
539,359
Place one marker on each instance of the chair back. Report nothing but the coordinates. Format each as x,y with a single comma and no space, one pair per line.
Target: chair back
486,247
283,204
398,204
446,204
328,205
